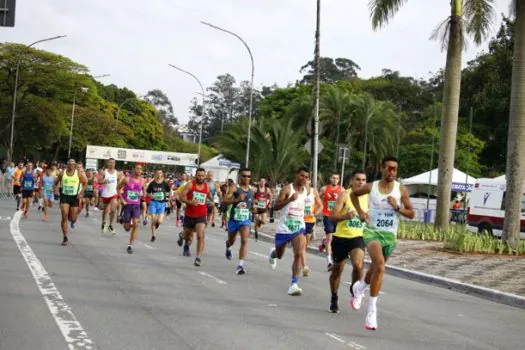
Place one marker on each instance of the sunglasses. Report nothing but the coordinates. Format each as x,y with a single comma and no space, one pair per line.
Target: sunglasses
246,175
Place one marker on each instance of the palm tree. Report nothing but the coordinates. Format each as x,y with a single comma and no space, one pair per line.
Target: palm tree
473,17
516,139
335,111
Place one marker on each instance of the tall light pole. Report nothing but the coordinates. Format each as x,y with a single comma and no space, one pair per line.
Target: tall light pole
316,95
247,162
366,139
15,90
203,108
84,90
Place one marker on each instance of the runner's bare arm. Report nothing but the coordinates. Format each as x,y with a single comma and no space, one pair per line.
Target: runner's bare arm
336,215
83,182
284,198
407,210
366,189
184,195
120,185
318,203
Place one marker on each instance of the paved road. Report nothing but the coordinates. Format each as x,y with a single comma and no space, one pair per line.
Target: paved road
101,297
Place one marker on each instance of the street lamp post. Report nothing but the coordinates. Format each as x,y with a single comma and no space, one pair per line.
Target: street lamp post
85,90
251,87
203,108
15,90
366,139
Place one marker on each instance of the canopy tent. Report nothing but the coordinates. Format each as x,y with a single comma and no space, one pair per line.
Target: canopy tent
461,182
222,168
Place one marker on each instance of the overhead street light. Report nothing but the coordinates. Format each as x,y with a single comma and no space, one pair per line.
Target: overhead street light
251,87
203,108
15,90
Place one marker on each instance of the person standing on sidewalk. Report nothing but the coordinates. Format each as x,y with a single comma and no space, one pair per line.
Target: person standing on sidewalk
388,200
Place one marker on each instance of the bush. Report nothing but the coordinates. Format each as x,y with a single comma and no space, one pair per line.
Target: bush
458,238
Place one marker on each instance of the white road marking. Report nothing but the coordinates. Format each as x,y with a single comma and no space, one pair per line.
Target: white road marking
272,305
219,281
5,218
260,255
351,344
73,333
148,246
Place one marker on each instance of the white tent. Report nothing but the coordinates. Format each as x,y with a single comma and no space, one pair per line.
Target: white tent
222,168
461,182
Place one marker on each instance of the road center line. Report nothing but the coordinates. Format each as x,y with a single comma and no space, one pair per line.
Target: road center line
350,344
259,254
219,281
148,246
73,333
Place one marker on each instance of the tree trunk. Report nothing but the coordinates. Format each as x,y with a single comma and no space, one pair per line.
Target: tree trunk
449,118
516,138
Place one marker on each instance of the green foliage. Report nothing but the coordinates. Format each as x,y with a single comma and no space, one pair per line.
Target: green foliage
459,239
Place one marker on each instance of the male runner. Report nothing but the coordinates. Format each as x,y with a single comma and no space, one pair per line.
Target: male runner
313,206
48,182
28,187
348,239
91,192
223,206
73,184
291,226
194,195
100,187
183,181
240,218
158,191
329,195
386,197
133,189
215,191
263,201
109,195
17,183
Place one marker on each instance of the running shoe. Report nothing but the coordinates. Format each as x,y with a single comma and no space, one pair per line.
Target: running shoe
25,215
240,270
72,224
64,241
157,224
186,251
306,271
357,298
197,262
103,228
322,245
272,261
371,320
111,229
129,250
330,266
153,238
228,254
180,240
45,218
256,235
145,222
334,304
294,290
87,215
212,224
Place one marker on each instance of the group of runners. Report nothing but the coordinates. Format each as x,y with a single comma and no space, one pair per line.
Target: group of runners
364,216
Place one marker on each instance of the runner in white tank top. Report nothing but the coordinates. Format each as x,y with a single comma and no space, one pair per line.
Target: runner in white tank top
388,199
291,226
109,195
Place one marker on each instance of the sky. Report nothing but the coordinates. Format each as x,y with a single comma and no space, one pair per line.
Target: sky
134,40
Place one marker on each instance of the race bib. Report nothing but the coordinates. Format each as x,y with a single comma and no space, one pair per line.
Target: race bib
307,208
241,214
133,195
69,190
331,205
182,210
385,220
28,184
293,224
199,198
261,204
89,188
354,223
48,188
158,196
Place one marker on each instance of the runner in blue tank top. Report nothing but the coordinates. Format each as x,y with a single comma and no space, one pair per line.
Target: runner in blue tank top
240,221
28,187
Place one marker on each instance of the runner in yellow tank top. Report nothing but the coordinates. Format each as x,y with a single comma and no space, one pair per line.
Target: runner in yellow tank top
348,237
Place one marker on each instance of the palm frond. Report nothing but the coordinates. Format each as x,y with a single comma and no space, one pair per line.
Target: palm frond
442,31
381,11
479,17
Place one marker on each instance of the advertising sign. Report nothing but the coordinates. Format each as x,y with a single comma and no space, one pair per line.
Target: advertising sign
141,156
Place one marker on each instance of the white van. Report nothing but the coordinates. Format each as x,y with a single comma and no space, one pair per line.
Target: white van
486,209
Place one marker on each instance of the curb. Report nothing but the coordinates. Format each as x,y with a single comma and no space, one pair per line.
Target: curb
438,281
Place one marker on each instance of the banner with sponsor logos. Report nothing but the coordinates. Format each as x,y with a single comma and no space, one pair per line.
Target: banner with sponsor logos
462,187
141,156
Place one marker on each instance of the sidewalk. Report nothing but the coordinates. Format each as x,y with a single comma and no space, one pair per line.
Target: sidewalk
503,273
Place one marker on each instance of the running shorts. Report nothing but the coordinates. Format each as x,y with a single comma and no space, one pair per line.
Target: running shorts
157,208
191,223
309,228
49,195
234,226
89,195
131,211
107,200
17,190
27,193
387,240
283,238
72,201
329,226
341,247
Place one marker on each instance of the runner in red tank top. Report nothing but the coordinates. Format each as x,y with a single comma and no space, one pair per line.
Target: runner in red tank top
329,196
194,195
263,201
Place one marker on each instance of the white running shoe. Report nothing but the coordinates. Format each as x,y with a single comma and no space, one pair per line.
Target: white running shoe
357,298
294,290
272,261
371,320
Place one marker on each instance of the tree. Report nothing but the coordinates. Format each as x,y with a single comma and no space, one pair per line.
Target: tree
474,17
516,139
331,70
164,107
